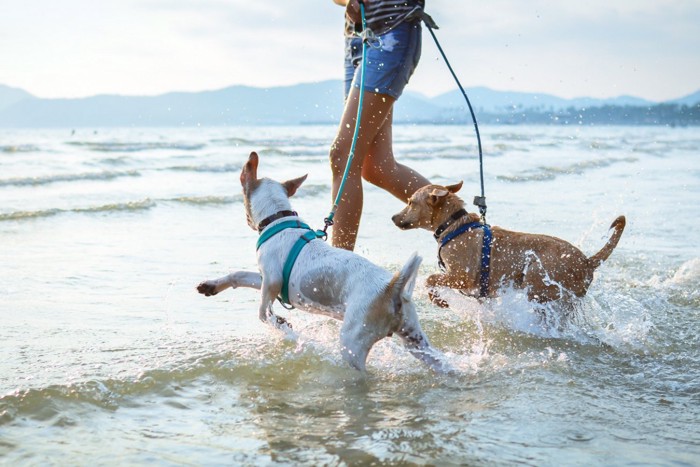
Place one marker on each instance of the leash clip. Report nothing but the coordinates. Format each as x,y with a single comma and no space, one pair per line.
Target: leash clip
370,38
328,222
480,201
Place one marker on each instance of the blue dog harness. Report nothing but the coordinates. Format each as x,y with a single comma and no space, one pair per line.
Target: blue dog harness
305,239
485,247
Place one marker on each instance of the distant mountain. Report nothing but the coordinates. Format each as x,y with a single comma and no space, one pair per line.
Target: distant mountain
10,96
232,105
320,102
691,99
488,100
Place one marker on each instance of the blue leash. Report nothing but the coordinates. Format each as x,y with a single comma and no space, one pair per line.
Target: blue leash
311,235
479,201
329,220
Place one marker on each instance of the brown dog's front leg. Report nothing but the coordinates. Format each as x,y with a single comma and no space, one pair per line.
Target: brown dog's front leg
433,281
462,284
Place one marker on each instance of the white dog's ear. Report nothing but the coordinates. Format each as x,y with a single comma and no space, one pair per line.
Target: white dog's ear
293,185
249,174
454,188
437,196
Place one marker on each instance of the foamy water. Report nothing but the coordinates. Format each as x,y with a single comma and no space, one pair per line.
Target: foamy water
108,355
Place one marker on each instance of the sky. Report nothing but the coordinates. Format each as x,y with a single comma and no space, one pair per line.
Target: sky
588,48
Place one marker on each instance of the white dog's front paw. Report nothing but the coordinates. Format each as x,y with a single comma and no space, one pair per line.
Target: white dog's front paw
435,297
207,288
280,322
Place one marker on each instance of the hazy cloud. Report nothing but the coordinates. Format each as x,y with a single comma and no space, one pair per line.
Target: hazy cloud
598,48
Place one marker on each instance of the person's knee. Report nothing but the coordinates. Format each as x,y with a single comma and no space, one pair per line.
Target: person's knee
338,158
372,175
376,174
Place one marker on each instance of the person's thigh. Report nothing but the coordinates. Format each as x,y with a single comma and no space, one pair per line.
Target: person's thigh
391,61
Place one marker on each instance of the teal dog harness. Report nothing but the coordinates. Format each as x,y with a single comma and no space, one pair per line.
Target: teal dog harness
305,239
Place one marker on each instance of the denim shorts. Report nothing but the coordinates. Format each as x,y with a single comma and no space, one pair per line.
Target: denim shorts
389,66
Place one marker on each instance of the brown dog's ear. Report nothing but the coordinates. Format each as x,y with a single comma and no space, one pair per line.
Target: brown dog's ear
454,188
437,196
293,185
249,173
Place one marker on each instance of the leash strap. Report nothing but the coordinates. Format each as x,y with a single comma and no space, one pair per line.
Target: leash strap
479,201
275,229
485,261
329,220
485,252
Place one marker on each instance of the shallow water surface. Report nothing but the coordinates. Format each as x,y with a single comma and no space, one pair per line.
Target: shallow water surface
108,355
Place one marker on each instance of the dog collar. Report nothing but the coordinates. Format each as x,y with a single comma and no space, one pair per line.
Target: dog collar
448,223
278,215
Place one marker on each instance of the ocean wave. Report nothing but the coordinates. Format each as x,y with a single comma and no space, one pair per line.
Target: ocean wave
245,360
600,145
683,288
135,146
130,206
207,200
223,168
79,177
113,161
112,207
313,190
305,356
18,148
233,141
441,154
545,173
262,142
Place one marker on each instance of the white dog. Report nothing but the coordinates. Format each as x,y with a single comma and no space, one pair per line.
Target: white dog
371,302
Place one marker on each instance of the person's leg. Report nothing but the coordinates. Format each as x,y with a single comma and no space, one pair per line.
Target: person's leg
381,169
376,108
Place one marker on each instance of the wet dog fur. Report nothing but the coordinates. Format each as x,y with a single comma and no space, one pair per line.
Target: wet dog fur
549,268
371,302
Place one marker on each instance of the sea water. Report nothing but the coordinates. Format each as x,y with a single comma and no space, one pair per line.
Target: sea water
108,355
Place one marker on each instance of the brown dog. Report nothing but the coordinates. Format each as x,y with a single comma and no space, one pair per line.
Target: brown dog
547,267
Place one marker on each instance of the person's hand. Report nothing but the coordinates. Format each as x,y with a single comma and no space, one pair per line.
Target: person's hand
352,10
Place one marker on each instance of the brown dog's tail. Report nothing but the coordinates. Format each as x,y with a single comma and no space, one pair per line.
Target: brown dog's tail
619,226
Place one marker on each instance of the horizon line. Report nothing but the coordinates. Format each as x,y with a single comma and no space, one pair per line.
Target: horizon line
117,94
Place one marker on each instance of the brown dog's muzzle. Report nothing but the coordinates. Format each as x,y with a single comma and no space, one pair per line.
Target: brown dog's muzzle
399,222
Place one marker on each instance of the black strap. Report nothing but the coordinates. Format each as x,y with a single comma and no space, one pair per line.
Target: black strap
448,223
278,215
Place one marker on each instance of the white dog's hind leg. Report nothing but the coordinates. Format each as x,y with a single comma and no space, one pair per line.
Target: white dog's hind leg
236,279
265,313
267,298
